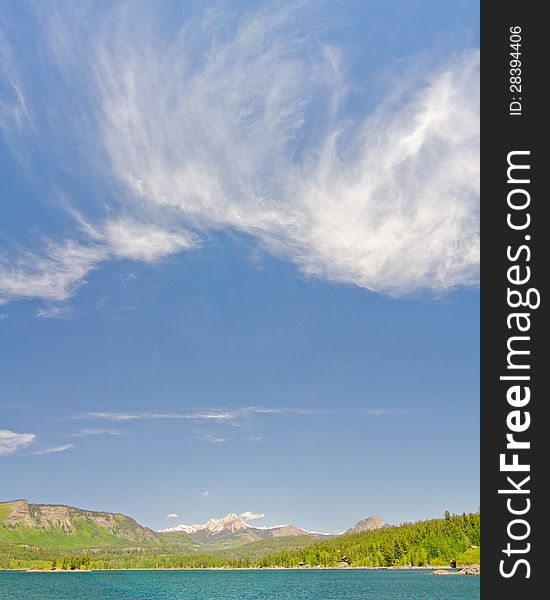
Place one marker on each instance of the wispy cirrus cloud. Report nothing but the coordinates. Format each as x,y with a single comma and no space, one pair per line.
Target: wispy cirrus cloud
214,426
147,416
245,128
15,118
11,441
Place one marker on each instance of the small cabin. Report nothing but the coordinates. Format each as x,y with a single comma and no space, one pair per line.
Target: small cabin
343,559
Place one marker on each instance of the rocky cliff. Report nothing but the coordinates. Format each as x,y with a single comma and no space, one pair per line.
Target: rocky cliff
19,514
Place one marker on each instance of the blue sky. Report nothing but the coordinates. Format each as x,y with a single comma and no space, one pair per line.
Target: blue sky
239,259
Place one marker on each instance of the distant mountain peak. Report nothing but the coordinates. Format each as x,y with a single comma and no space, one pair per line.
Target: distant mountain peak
368,524
231,522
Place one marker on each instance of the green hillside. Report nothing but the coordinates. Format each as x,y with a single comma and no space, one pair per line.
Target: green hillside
84,535
65,527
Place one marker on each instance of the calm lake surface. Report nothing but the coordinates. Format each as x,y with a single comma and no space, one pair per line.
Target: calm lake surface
237,585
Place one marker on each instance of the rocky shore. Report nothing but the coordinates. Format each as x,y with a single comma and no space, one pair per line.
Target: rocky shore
470,570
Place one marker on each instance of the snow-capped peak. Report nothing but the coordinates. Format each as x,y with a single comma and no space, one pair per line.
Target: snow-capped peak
230,522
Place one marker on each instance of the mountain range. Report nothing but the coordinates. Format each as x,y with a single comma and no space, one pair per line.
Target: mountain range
232,523
60,526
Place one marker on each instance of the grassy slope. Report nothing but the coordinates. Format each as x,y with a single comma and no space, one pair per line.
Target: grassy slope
5,511
87,535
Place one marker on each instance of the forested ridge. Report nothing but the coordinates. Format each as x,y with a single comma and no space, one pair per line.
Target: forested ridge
433,542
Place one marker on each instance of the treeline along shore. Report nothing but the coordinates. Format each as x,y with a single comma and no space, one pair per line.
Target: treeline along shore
434,542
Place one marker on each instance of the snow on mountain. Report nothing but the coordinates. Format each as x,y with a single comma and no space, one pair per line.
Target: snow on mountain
230,522
182,527
290,530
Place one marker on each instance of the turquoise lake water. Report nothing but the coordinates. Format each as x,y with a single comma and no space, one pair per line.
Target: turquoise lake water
237,585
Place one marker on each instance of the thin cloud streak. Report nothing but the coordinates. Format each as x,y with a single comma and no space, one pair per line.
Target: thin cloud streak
258,410
213,415
53,449
96,432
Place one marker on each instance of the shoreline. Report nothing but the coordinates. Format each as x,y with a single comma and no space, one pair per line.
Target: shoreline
396,568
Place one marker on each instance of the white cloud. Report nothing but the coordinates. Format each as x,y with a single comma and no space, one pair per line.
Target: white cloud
248,515
248,131
11,442
205,493
53,312
53,449
172,516
213,438
136,241
147,240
